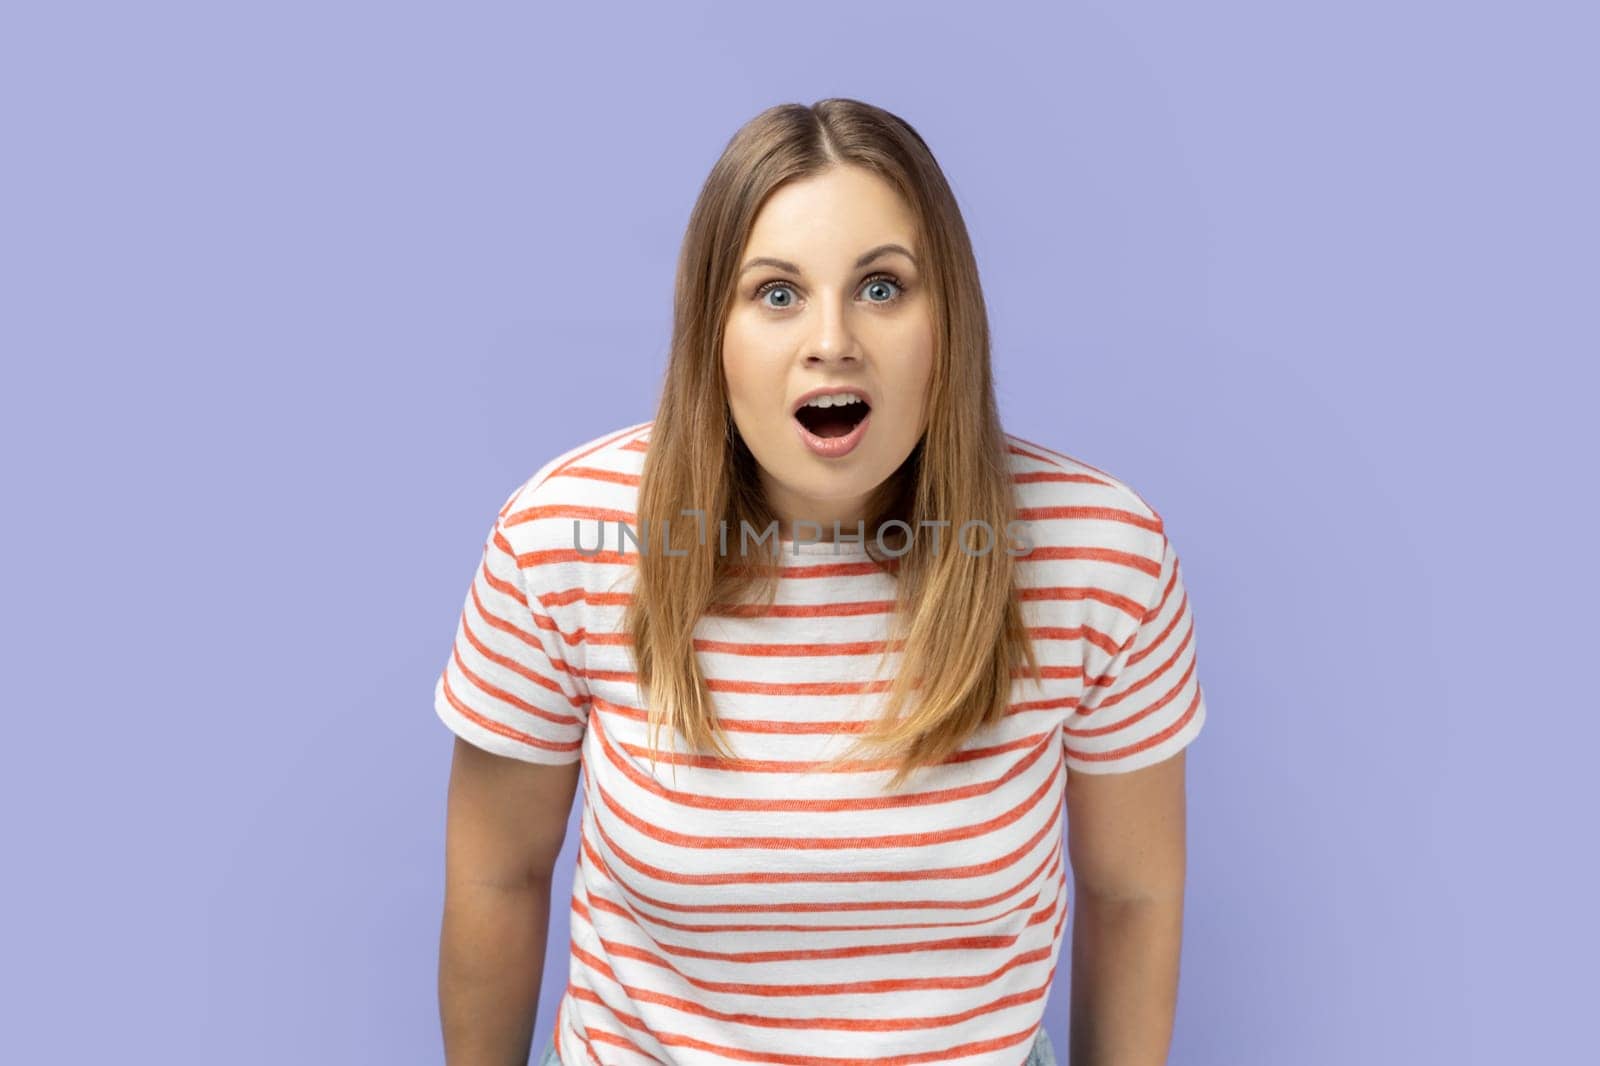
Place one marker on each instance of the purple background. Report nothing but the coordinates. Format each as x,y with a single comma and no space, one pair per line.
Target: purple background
295,294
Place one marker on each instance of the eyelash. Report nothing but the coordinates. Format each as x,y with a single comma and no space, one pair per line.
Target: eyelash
777,282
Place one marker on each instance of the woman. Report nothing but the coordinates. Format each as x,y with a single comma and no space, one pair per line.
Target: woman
850,847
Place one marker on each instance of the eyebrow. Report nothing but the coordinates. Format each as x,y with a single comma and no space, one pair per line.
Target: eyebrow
784,264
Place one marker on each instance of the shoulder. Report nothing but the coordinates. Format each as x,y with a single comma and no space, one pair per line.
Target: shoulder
597,474
1085,525
594,480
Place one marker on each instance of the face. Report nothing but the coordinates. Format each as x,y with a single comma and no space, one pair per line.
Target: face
810,312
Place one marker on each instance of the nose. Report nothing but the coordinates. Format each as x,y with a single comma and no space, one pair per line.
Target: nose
833,341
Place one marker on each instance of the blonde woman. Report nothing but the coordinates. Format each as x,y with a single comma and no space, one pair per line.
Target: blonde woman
835,653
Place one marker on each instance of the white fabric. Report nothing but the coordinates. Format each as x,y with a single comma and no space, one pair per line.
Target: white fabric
731,913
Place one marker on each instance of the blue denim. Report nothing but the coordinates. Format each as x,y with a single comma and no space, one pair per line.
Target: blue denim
1041,1054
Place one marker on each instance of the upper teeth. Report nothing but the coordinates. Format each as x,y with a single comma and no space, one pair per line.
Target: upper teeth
833,400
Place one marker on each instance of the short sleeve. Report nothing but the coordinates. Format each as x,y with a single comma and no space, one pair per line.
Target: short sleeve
1145,704
507,686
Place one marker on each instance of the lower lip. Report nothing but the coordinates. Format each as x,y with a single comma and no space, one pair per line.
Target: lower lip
832,447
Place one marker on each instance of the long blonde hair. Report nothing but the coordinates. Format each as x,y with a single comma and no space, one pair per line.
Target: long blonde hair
956,619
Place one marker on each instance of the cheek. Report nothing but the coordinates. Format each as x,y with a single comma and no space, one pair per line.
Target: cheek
750,383
738,372
915,372
736,360
753,370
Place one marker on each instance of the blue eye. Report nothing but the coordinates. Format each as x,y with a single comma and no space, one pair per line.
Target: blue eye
875,282
770,286
885,280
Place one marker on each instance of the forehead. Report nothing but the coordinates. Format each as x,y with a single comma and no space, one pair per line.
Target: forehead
832,216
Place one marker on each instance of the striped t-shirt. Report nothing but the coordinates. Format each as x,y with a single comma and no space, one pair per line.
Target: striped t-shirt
753,912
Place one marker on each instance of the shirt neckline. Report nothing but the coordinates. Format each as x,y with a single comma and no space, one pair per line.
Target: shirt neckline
788,549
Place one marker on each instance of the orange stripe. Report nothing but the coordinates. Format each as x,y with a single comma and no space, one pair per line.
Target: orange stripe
500,728
807,727
1152,678
1033,748
990,918
1041,916
1086,513
1131,607
516,666
1149,742
1109,478
788,877
592,856
1036,476
595,473
637,994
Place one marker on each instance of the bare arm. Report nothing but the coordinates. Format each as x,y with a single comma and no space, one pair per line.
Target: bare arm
507,821
491,964
1126,838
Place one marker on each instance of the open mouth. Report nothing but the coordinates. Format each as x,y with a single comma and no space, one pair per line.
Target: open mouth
835,421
